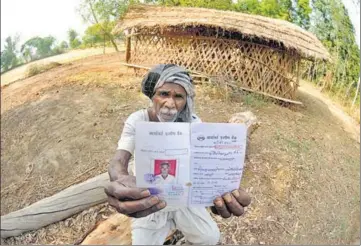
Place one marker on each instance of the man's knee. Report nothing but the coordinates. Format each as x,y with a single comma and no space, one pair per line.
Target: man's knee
210,236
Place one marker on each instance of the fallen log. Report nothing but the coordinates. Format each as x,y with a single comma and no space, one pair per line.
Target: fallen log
55,208
116,230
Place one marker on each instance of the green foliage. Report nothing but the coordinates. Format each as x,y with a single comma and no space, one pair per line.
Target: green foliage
60,48
102,14
38,47
281,9
97,34
247,6
9,57
93,34
64,45
302,13
74,42
212,4
332,25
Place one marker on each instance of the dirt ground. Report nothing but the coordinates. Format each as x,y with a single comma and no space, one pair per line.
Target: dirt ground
20,72
61,127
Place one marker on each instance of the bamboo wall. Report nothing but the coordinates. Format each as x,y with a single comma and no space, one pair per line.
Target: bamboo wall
254,66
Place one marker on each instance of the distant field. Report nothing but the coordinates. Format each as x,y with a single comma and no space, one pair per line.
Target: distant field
19,72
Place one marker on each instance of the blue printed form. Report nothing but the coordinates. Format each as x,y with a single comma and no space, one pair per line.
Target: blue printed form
189,164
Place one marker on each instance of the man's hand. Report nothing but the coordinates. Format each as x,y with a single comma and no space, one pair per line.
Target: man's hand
131,201
231,203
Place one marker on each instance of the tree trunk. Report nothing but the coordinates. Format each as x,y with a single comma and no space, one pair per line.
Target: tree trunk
104,43
60,206
348,91
357,90
111,38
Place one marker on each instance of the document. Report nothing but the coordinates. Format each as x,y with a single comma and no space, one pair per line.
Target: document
189,164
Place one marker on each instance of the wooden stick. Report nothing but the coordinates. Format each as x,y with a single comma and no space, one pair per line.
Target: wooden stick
128,49
269,95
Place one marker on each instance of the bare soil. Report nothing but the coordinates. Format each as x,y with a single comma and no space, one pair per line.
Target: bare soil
20,72
61,127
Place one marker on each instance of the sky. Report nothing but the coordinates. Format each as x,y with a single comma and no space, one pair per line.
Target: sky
354,14
31,18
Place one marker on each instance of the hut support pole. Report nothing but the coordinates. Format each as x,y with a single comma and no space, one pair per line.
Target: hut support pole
298,74
128,49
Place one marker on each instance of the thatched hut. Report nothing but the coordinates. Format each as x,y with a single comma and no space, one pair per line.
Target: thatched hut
257,53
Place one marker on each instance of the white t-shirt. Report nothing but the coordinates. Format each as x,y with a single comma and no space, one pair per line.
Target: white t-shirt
170,179
127,139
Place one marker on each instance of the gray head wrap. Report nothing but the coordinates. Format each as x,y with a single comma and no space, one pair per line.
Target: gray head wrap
170,73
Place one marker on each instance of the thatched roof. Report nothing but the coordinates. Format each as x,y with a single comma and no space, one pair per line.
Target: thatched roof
288,35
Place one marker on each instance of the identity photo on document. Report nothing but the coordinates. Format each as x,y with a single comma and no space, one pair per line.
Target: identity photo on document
165,172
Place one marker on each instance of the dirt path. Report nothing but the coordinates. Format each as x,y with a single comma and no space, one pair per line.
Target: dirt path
350,125
19,72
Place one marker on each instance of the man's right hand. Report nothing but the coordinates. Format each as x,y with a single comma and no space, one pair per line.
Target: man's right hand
129,200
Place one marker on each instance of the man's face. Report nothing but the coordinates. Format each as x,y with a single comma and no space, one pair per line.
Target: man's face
168,101
164,169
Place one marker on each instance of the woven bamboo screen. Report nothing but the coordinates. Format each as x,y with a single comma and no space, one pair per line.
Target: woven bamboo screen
249,65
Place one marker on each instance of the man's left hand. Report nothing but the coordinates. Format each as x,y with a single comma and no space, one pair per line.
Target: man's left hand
231,203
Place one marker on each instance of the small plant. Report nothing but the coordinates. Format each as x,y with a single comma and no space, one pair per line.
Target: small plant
35,69
255,100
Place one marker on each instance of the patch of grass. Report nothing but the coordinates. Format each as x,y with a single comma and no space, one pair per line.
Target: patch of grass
291,143
227,95
254,100
346,104
37,69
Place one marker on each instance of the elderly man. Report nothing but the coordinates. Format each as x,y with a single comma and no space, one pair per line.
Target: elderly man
164,177
171,91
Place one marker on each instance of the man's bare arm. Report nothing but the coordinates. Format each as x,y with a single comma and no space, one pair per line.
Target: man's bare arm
119,164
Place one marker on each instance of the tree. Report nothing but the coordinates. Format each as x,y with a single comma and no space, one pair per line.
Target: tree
212,4
281,9
248,6
95,34
73,39
332,25
9,57
27,54
64,45
302,14
38,47
104,13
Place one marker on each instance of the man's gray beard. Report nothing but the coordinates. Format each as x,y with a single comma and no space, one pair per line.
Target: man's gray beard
165,112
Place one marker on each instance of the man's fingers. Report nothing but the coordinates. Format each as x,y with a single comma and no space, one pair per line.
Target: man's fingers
121,192
233,205
221,208
130,207
242,197
149,211
214,210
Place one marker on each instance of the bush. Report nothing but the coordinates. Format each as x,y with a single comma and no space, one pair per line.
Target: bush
35,69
